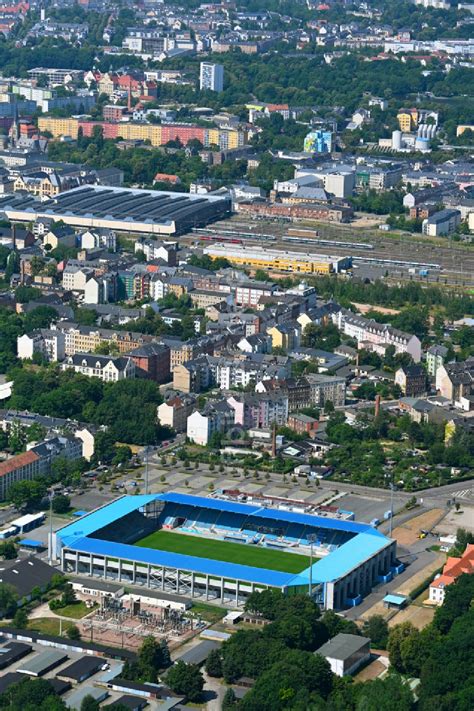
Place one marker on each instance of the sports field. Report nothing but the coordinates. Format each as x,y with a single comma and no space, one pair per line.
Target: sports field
240,553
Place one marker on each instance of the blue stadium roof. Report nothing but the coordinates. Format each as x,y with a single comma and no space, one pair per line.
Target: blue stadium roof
103,516
271,514
344,559
366,542
206,566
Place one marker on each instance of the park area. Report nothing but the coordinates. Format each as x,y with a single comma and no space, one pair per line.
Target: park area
240,553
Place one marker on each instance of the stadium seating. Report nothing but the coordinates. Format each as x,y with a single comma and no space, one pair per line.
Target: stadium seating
128,529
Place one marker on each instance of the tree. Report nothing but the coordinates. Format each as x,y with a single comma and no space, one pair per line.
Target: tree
20,619
73,633
214,663
61,503
384,695
122,455
376,628
396,637
27,494
89,704
30,695
8,550
229,701
150,659
8,599
186,679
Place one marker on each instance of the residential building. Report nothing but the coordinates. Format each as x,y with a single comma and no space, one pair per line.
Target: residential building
259,411
326,388
152,249
285,335
175,411
25,466
345,653
50,344
453,568
107,368
153,361
441,223
215,417
435,358
211,77
372,333
318,141
303,424
411,379
99,239
248,294
455,381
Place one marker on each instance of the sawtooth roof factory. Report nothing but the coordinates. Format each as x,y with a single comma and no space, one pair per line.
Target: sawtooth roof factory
124,210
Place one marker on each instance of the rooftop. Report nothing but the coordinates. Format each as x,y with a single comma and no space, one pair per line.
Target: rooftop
343,646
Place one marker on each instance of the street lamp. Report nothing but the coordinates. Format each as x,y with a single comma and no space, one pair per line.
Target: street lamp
311,539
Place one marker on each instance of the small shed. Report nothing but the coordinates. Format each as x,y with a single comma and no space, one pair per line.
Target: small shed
396,601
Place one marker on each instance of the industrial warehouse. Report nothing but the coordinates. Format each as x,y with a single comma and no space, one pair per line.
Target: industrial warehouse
280,260
153,212
224,550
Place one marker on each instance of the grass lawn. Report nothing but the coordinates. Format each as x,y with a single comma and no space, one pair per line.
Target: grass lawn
75,611
240,553
210,613
48,625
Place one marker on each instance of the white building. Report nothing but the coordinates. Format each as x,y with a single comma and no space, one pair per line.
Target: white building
345,653
215,417
441,223
99,239
373,334
50,344
107,368
211,77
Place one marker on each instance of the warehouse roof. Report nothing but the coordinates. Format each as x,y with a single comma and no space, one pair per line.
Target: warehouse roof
121,205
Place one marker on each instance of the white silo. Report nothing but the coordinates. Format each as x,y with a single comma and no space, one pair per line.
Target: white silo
397,140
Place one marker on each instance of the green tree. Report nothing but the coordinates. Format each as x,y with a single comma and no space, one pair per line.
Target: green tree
20,619
186,679
27,494
396,637
214,663
8,550
89,704
61,503
73,633
376,628
8,599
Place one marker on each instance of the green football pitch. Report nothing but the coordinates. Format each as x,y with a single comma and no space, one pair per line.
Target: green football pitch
242,554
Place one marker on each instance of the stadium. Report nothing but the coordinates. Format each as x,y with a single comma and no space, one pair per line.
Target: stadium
221,550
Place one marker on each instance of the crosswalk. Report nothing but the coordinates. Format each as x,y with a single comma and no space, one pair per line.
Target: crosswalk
463,494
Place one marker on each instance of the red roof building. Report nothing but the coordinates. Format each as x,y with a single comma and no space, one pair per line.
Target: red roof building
453,568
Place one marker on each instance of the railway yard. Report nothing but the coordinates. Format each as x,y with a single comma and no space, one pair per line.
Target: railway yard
396,255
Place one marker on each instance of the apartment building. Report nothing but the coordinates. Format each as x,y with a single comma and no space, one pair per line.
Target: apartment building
257,411
441,223
85,339
455,381
411,379
215,417
372,333
174,412
326,388
166,251
303,424
25,466
110,369
248,294
435,358
153,360
49,343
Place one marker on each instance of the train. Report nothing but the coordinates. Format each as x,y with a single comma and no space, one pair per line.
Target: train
328,242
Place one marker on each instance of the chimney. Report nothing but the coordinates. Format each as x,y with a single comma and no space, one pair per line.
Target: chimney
377,406
274,433
14,236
